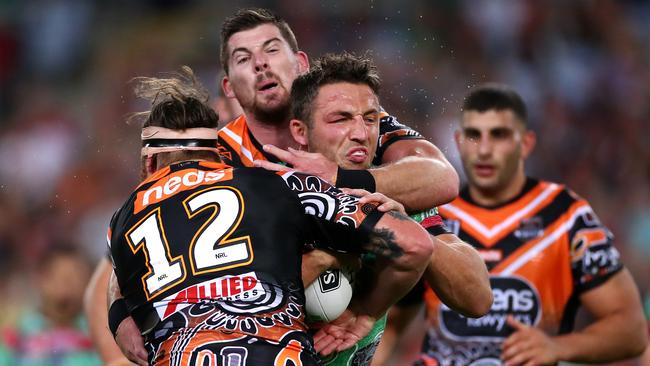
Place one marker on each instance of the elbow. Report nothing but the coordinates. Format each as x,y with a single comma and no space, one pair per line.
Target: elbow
416,251
481,304
451,187
638,342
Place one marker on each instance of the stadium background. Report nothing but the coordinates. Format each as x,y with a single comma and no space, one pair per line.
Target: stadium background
67,158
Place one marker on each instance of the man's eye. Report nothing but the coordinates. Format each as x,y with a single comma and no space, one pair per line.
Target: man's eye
272,50
473,136
501,134
241,60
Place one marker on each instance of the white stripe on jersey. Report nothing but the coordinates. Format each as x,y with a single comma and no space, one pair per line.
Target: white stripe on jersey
490,233
238,140
544,243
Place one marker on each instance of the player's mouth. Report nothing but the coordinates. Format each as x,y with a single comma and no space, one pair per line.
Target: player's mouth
357,155
267,86
484,170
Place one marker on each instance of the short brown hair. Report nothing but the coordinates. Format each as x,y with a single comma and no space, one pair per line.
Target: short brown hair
245,19
329,69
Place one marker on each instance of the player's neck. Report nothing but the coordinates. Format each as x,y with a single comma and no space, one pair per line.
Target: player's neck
491,198
275,134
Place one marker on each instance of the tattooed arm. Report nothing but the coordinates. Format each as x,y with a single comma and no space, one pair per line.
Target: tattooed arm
401,252
402,249
347,223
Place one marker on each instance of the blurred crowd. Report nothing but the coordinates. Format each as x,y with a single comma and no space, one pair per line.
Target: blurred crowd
68,159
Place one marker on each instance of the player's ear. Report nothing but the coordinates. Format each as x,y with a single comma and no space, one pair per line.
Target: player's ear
298,130
227,87
457,136
303,62
151,164
528,143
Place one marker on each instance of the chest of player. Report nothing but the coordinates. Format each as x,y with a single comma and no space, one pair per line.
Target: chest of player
531,277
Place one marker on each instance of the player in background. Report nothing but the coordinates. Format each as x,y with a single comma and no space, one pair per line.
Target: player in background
208,269
261,58
336,113
546,250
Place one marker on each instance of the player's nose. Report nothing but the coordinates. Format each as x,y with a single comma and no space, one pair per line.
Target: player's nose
358,129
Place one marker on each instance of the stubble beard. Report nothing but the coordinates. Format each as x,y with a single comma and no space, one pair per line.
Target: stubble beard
275,116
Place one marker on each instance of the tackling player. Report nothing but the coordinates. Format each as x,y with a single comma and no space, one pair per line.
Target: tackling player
209,270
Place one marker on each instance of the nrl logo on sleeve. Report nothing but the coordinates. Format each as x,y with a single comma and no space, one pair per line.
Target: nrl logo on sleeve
512,296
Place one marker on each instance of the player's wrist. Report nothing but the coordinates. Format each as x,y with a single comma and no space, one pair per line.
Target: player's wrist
353,178
562,347
116,315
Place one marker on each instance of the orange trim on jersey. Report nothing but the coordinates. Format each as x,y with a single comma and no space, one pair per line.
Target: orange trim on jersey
489,226
237,136
556,228
537,261
289,355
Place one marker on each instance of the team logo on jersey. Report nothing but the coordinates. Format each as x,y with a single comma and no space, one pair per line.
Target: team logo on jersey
239,288
530,228
512,296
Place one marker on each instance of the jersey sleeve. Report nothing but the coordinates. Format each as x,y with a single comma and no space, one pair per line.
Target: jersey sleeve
390,131
341,222
594,259
431,221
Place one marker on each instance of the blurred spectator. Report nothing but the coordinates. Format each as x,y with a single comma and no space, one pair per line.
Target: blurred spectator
54,333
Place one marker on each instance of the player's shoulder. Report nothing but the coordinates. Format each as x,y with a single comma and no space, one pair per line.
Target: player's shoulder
565,196
536,194
233,132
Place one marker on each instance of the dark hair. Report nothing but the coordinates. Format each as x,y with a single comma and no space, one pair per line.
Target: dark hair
245,19
498,97
329,69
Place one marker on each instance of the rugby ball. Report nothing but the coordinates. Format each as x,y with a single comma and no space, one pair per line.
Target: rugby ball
328,296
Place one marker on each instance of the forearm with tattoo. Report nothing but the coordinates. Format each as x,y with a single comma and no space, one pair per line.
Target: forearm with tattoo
382,243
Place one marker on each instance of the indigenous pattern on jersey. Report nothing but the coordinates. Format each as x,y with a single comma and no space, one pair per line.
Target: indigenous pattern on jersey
238,147
208,259
391,131
543,249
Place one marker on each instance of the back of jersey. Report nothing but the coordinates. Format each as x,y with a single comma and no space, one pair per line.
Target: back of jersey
208,260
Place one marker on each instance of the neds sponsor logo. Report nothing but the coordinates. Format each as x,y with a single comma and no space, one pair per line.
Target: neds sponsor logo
512,296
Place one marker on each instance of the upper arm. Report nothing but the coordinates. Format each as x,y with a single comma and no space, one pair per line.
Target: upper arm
412,147
446,182
618,294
